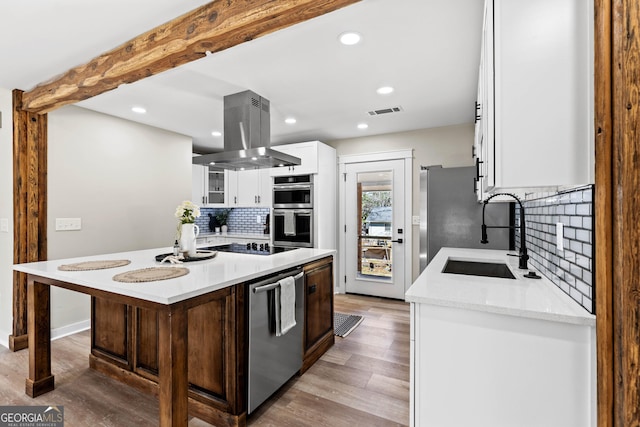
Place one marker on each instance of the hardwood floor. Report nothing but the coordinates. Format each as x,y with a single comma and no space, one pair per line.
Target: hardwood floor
363,380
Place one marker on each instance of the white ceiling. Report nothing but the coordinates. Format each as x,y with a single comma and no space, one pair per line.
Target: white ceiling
428,50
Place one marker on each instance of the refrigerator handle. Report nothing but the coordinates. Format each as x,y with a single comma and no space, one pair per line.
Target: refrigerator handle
478,168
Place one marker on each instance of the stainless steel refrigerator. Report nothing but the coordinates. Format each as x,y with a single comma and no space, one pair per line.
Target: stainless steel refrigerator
451,216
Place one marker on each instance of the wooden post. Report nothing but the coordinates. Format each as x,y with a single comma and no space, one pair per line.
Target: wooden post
617,208
172,367
40,380
29,206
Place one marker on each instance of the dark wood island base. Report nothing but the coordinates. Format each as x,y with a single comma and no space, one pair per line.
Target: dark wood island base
192,354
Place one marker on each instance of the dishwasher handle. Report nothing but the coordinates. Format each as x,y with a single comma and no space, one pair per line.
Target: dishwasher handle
274,285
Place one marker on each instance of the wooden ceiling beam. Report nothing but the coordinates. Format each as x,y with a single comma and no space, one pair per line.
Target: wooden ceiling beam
211,28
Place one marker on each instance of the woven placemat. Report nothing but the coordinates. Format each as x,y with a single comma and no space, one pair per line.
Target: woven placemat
94,265
151,274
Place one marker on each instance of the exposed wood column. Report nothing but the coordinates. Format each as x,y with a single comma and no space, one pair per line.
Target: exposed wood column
617,121
29,207
173,357
210,28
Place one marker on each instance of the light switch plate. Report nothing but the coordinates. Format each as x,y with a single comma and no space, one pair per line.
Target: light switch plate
415,220
560,236
68,224
4,225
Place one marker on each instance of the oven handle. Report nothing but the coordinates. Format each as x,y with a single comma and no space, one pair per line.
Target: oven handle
301,212
278,187
265,288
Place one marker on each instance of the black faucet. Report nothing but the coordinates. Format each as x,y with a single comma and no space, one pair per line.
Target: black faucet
524,257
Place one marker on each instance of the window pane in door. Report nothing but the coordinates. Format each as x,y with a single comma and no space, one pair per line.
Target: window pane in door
376,224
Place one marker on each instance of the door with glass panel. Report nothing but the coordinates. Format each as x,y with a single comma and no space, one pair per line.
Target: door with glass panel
375,229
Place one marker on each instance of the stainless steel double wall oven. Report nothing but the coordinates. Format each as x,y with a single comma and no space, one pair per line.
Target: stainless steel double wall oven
292,220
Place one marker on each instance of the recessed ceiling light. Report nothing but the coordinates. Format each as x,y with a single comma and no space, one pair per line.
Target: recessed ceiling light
212,163
254,158
350,38
384,90
362,125
216,133
290,120
139,110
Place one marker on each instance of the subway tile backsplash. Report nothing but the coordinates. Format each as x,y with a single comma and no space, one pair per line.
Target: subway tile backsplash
571,269
241,220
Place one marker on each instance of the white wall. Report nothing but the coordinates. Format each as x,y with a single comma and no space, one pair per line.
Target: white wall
6,211
448,146
124,180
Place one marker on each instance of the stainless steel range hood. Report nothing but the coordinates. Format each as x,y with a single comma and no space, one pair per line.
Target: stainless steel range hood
247,133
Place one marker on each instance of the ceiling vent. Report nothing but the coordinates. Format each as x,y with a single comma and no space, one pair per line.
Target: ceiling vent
385,111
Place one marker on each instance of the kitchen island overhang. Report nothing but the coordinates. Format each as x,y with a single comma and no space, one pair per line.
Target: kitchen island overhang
146,327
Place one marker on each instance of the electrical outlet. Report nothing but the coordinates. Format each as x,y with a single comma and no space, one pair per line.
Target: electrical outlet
258,219
415,220
68,224
4,225
560,236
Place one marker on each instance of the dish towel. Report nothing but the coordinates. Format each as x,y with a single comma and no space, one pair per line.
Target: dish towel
285,303
289,223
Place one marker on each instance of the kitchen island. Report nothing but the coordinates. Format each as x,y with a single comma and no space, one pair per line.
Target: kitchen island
495,352
183,339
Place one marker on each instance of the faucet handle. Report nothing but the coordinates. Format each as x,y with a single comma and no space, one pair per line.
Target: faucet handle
485,239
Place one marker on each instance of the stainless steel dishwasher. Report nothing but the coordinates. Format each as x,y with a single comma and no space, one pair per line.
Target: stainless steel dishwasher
273,360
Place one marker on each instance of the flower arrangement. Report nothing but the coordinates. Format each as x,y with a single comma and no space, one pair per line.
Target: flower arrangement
187,212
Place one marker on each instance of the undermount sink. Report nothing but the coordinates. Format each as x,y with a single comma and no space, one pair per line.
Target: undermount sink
476,268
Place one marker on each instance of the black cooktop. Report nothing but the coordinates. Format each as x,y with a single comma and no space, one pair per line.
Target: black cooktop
250,248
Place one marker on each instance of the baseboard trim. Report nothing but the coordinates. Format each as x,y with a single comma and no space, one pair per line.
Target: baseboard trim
56,333
4,338
71,329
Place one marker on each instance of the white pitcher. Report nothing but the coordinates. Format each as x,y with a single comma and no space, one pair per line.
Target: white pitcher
188,235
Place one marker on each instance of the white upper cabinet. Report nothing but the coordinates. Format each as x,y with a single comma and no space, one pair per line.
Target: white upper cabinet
198,173
253,188
307,152
208,186
537,94
226,188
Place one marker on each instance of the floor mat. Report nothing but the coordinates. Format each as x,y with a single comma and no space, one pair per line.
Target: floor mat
343,324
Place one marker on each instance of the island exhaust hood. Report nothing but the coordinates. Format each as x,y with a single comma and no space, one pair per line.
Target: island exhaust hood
247,133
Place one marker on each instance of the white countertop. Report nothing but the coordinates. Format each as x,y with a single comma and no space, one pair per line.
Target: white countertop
533,298
204,276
